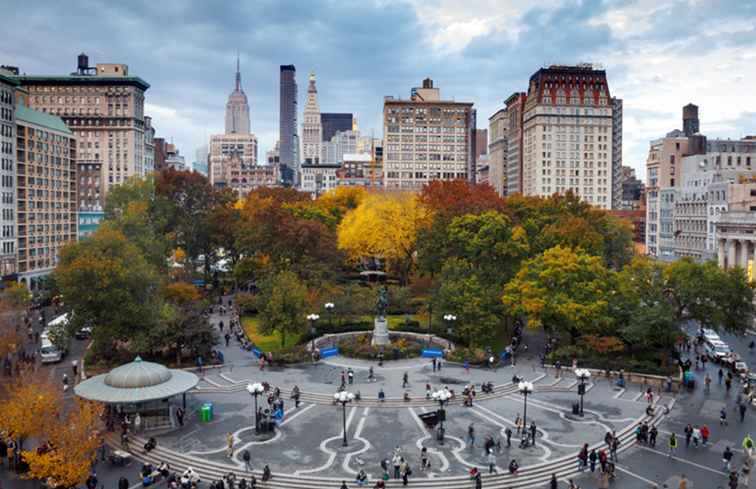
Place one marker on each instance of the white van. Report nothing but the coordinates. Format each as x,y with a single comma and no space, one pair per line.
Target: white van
49,353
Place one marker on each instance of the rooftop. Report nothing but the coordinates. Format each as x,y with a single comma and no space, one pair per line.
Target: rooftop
82,80
25,114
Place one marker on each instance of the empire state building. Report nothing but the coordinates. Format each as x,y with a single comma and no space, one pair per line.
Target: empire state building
237,108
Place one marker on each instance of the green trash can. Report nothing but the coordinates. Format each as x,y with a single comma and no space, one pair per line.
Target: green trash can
206,414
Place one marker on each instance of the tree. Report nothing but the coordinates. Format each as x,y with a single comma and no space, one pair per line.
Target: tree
65,460
478,309
30,407
384,226
564,290
282,305
108,285
451,198
13,302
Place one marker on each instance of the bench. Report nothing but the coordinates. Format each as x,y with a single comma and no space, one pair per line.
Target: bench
431,353
329,352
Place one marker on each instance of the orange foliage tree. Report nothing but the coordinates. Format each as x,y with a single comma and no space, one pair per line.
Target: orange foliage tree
65,460
30,407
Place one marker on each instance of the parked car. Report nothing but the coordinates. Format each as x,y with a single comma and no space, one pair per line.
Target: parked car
717,350
710,335
84,333
49,353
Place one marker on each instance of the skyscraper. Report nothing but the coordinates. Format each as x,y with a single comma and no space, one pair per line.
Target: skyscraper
335,122
287,134
312,130
8,251
616,153
237,108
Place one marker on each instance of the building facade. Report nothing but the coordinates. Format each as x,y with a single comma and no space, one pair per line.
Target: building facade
336,122
47,164
312,130
104,107
567,134
237,108
8,245
233,162
498,130
90,198
515,108
319,179
174,159
287,130
427,138
149,145
359,169
616,153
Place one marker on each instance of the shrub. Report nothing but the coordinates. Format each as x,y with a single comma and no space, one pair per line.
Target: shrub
359,346
476,356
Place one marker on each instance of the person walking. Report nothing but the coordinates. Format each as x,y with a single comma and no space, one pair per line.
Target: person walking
343,485
592,458
748,445
652,436
533,431
720,374
508,434
491,461
683,484
727,459
553,483
583,458
742,408
405,380
723,417
672,444
247,460
123,483
229,445
688,434
404,470
707,383
397,461
350,375
745,472
518,424
471,435
424,459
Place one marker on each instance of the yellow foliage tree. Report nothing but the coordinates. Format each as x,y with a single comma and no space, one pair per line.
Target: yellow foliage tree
384,226
181,293
65,461
31,406
342,199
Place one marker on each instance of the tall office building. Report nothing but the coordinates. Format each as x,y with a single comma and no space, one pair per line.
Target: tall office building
515,107
567,134
498,131
427,139
104,107
287,129
237,108
149,145
46,151
336,122
616,153
312,130
8,249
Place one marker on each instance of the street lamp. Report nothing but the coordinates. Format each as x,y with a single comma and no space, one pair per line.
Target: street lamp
255,390
442,396
329,309
583,374
344,398
525,389
449,318
313,318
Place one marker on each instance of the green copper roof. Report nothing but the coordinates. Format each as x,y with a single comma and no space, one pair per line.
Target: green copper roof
8,78
83,79
38,118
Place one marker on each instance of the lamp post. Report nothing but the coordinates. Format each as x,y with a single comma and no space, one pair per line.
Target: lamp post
344,398
329,309
525,389
442,396
583,374
312,318
255,390
449,318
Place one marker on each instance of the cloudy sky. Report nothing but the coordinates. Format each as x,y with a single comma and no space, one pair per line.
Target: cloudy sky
659,55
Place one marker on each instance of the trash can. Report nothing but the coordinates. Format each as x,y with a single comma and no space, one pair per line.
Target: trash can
206,412
575,408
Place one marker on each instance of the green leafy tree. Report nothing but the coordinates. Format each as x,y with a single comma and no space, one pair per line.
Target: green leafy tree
477,307
107,283
283,304
563,290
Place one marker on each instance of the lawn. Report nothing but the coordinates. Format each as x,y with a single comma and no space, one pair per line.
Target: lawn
265,343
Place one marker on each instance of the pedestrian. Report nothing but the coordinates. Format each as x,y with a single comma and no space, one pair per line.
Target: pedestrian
513,466
467,366
404,470
683,482
583,458
727,458
592,458
75,368
720,374
434,364
266,475
229,445
553,483
491,461
343,485
728,385
518,424
424,458
705,435
652,436
247,460
508,434
471,435
672,444
227,337
405,380
602,459
123,483
748,445
742,408
533,430
707,383
745,472
371,377
722,417
397,461
733,480
350,375
688,434
91,481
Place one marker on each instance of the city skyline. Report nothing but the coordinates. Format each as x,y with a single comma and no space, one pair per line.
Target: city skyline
479,51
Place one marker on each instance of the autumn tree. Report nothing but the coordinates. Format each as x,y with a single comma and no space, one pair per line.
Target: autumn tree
384,226
109,286
282,305
30,407
66,458
563,290
14,300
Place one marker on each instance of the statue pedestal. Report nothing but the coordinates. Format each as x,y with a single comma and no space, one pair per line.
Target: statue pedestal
380,332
